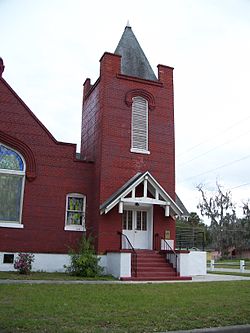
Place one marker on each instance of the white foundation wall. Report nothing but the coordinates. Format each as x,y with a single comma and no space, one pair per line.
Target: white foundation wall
192,263
46,262
50,262
116,264
119,264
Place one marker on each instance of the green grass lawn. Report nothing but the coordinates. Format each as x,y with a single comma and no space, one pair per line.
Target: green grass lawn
48,276
127,308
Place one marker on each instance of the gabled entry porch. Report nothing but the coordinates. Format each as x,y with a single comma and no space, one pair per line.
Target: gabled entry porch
145,217
146,210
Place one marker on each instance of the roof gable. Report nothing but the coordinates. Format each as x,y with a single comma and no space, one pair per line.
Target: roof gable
28,113
159,195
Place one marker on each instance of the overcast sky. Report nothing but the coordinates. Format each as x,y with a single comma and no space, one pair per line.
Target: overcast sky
50,47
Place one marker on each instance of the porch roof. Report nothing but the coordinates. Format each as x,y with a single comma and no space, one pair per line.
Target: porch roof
160,196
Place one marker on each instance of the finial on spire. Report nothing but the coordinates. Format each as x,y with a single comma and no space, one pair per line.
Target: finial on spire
1,67
128,24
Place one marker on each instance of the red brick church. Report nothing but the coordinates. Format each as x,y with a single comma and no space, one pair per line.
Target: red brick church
120,188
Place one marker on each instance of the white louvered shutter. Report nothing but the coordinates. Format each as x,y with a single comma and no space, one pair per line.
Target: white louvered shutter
139,124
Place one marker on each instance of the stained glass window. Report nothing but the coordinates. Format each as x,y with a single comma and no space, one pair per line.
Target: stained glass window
75,210
12,173
9,159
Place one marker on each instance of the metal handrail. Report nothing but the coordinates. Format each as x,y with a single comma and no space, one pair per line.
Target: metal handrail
134,254
170,251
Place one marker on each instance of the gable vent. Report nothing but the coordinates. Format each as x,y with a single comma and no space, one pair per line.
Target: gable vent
139,125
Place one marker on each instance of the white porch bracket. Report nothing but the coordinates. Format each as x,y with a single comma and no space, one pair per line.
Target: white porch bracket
120,207
145,187
167,210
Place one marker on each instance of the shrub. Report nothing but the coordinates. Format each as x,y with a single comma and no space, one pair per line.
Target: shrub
24,262
84,261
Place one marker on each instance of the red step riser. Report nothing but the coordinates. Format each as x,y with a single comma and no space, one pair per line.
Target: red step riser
156,271
154,264
167,278
148,265
151,259
158,260
162,274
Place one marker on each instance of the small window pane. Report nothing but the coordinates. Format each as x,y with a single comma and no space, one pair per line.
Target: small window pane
138,220
10,197
127,220
75,204
144,221
74,218
10,160
130,225
124,221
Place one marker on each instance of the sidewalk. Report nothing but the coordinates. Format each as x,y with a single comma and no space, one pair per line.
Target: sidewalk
230,270
200,278
226,329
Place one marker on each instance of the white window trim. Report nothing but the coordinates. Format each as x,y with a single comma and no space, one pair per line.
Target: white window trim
139,151
135,149
17,224
11,225
76,227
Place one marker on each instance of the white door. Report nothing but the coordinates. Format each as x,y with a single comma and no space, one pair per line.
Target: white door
137,228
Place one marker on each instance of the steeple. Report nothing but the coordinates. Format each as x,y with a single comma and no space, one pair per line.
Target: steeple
134,61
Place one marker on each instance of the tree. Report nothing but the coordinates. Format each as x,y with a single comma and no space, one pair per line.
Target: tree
221,211
194,219
244,225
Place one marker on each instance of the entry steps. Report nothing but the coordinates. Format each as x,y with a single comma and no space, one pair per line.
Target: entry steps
153,266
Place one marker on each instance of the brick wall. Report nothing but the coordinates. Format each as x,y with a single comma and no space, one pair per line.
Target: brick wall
57,173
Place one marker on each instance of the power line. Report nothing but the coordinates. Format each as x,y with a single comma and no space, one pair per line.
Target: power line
215,136
220,167
214,148
245,184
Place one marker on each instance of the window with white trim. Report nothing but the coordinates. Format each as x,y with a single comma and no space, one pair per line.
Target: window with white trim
12,179
75,212
139,127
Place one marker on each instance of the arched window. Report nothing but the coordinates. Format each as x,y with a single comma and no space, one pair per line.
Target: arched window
139,128
12,177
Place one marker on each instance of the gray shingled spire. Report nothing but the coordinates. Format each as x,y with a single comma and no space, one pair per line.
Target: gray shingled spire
134,61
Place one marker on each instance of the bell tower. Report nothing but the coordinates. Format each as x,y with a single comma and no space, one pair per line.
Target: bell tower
127,126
